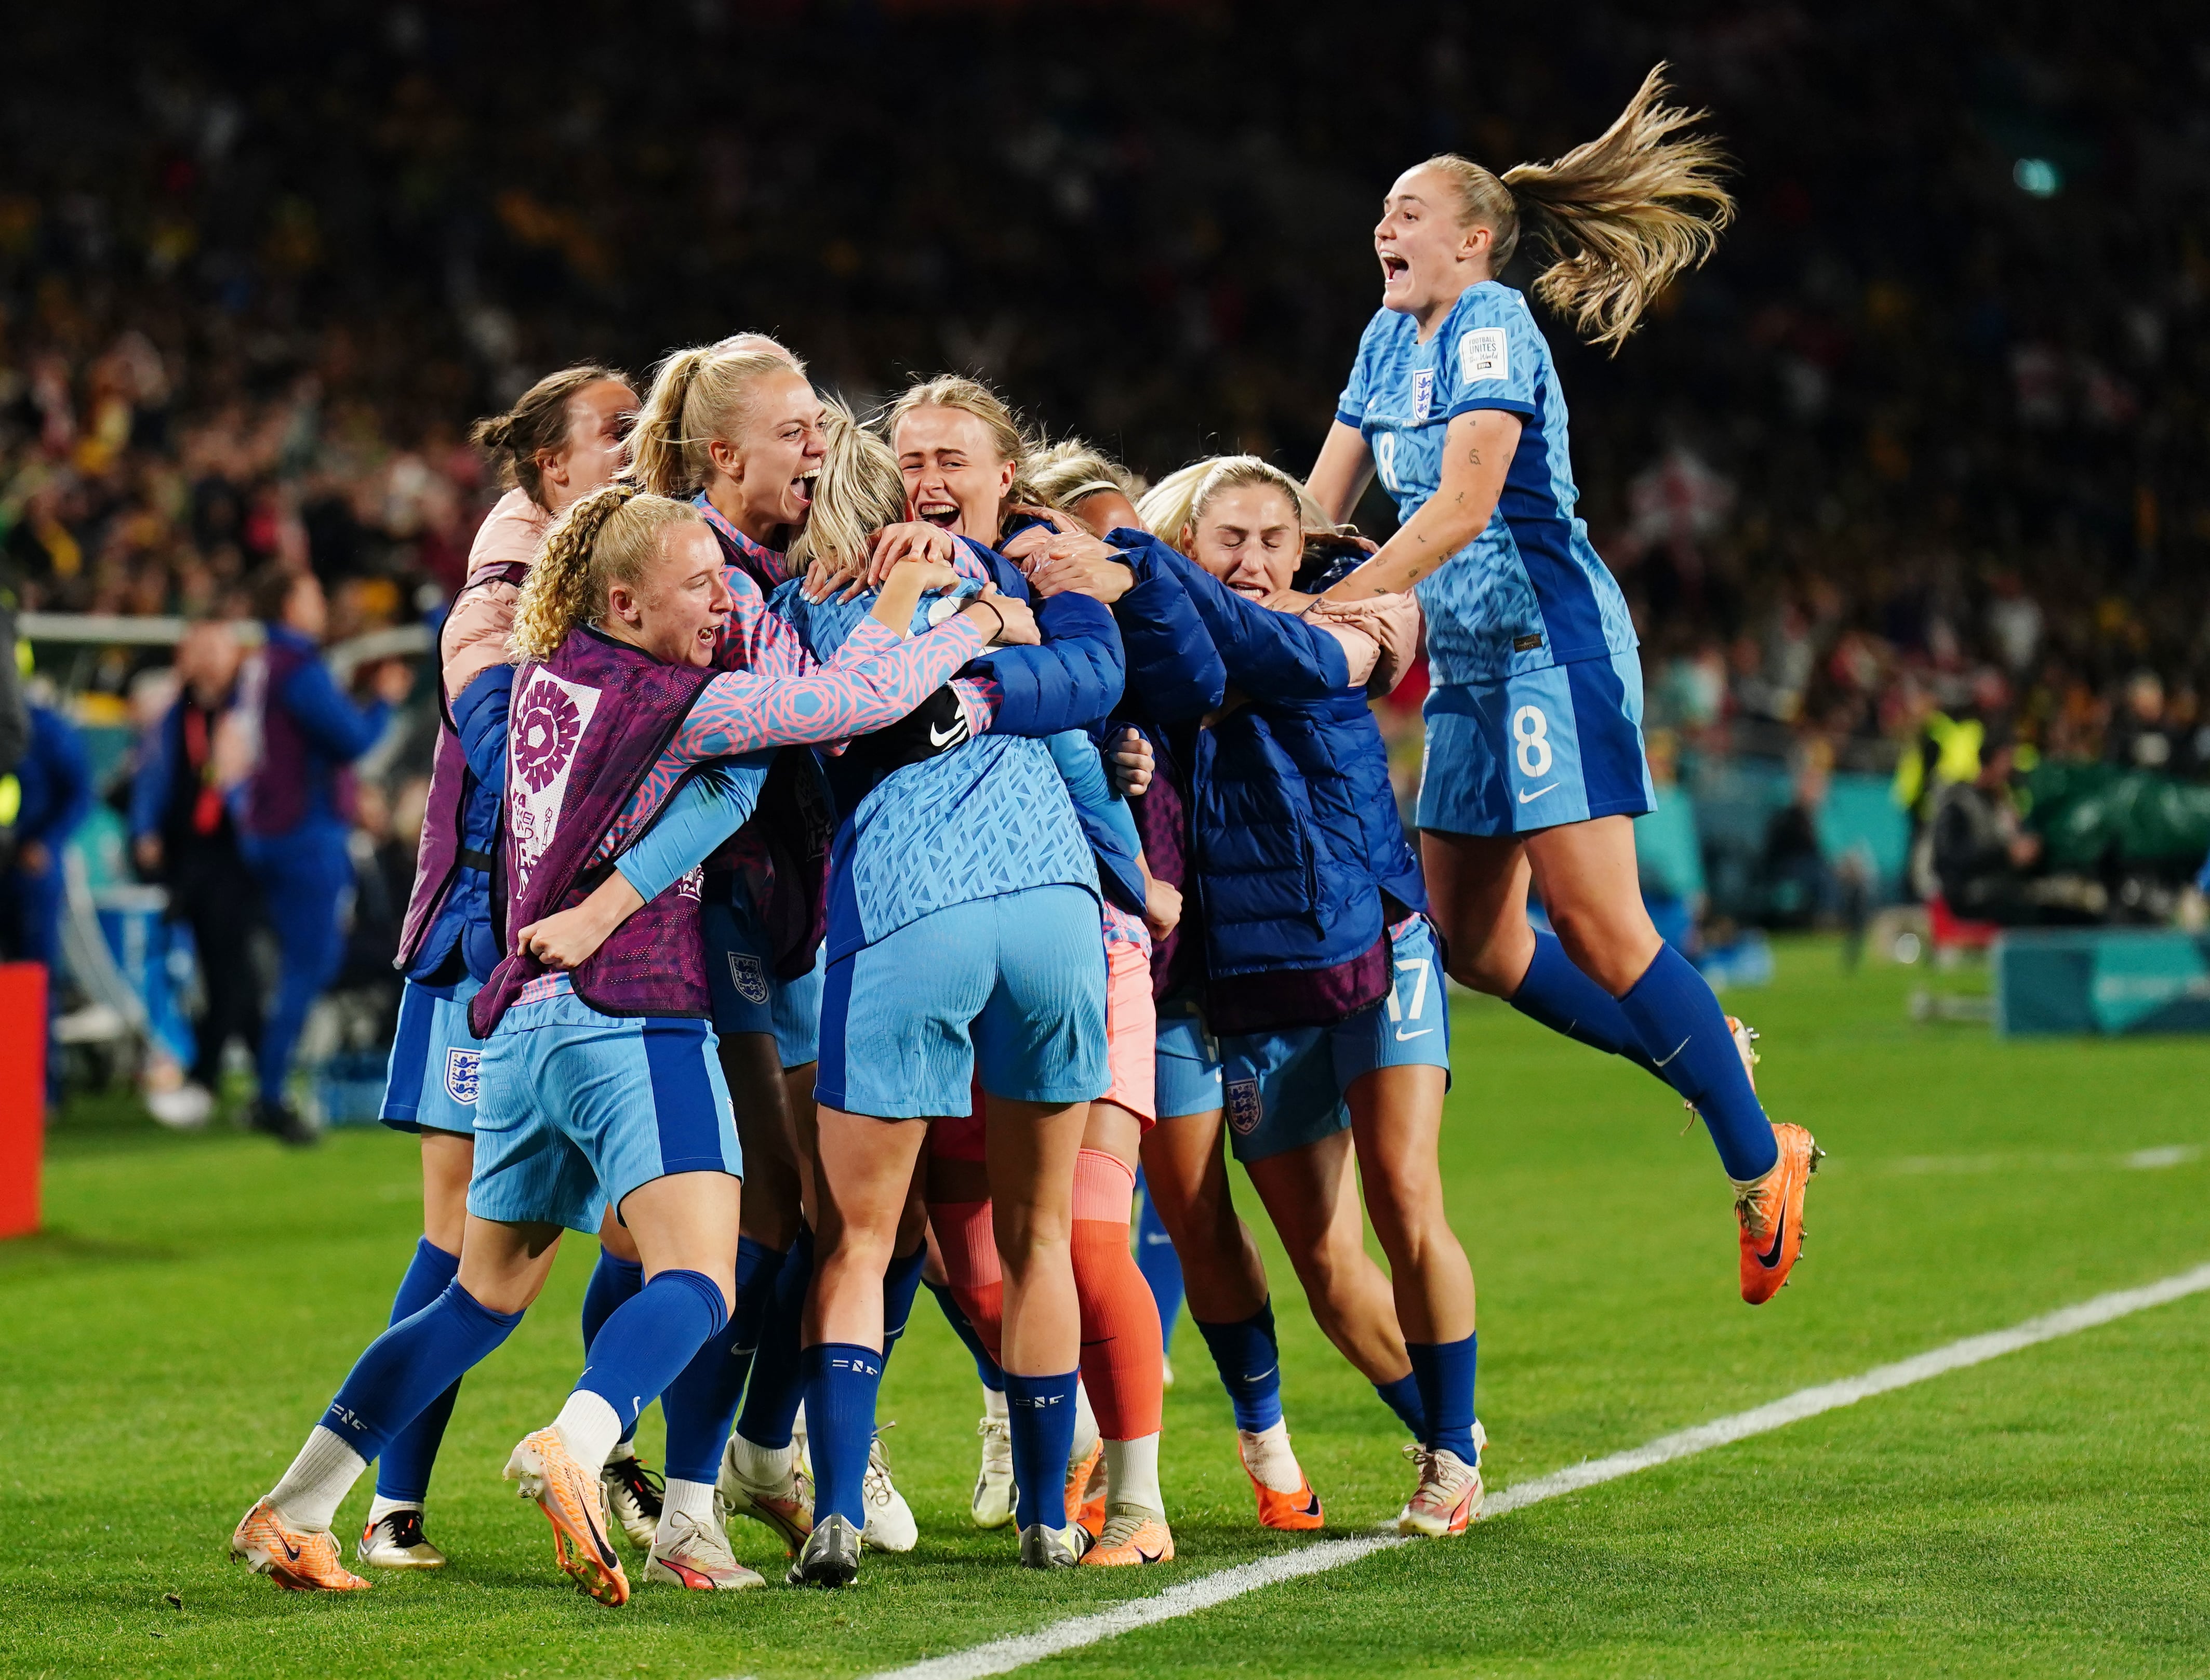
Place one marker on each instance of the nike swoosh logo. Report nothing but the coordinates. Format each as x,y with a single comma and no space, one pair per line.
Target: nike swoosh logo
1677,1049
945,737
290,1551
1402,1036
1528,798
1771,1257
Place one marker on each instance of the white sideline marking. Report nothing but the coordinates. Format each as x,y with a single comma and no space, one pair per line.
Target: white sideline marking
1002,1656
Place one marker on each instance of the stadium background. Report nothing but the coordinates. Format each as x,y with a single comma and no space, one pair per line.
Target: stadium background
1926,440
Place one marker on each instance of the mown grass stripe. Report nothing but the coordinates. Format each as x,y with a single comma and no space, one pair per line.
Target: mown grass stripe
1003,1656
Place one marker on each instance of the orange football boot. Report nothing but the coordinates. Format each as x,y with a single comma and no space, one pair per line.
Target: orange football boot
1132,1536
568,1494
1291,1513
1770,1209
298,1560
1085,1493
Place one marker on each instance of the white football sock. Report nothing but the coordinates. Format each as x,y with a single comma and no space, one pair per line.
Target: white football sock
1085,1428
993,1406
380,1507
1268,1456
1132,1475
319,1479
694,1500
763,1467
588,1427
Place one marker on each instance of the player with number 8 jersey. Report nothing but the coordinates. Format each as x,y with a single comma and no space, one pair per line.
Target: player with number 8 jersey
1535,763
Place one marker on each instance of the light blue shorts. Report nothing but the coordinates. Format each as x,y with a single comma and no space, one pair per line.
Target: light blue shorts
1285,1090
1014,985
1546,747
579,1108
1187,1060
748,997
430,1085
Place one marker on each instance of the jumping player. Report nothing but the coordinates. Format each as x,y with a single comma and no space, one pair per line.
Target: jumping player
1535,765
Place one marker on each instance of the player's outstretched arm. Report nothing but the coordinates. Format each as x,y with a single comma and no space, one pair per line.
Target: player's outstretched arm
1476,453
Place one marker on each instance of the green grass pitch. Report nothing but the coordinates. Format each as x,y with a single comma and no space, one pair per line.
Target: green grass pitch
166,1343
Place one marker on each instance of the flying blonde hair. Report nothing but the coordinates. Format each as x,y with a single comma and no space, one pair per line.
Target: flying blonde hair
860,489
698,395
606,538
1174,505
1619,217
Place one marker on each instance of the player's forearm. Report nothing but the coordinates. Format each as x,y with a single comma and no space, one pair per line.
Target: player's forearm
1339,477
1418,550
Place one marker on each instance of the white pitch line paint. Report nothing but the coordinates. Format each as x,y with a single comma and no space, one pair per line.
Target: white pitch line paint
1003,1656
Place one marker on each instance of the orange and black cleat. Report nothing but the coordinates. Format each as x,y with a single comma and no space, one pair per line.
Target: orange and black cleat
1132,1536
1291,1513
1770,1212
568,1494
1085,1493
298,1560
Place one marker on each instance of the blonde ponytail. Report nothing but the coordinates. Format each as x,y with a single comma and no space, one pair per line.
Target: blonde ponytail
972,397
605,538
1619,216
698,396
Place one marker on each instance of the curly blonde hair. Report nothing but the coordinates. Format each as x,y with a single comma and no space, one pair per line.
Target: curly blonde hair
860,489
1619,217
606,538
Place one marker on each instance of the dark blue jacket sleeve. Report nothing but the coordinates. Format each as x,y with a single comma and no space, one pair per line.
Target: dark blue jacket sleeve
1174,672
1070,682
340,728
480,719
156,774
59,749
1270,655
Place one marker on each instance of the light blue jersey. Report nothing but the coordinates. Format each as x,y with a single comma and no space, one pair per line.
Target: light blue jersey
990,816
1529,591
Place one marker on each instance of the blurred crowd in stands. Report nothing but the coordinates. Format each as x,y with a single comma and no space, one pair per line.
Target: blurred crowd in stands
1926,446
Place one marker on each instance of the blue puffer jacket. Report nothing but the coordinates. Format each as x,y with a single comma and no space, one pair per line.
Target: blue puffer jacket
1301,861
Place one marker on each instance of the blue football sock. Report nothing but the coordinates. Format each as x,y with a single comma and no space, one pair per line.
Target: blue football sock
1683,1027
963,1327
410,1365
701,1402
841,1383
1563,999
1402,1398
1041,1410
640,1349
1250,1361
778,1379
1444,1371
900,1282
612,1282
1161,1267
403,1471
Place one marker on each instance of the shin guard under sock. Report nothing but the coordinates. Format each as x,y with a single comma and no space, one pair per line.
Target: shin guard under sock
1250,1364
1681,1026
1122,1351
647,1341
1558,995
778,1378
842,1380
1042,1412
402,1473
701,1403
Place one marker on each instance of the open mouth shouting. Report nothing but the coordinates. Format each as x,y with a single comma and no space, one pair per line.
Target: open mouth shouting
1394,269
939,510
801,487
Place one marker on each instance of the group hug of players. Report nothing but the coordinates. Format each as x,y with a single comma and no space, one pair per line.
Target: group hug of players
855,851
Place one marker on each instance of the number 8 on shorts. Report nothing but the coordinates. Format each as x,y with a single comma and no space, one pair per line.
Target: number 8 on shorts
1531,730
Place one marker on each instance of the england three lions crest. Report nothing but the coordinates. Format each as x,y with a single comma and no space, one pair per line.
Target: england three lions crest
463,1075
749,976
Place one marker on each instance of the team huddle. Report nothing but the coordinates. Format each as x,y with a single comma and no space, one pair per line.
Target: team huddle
857,851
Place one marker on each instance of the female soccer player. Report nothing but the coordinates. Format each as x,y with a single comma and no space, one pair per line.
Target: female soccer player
736,427
1332,1036
561,441
1535,767
583,1106
963,925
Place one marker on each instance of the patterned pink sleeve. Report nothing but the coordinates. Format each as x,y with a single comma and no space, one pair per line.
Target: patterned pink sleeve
875,679
980,698
762,641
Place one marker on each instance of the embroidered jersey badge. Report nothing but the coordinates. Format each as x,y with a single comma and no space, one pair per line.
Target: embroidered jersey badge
748,976
463,1075
1423,395
1245,1109
1481,355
